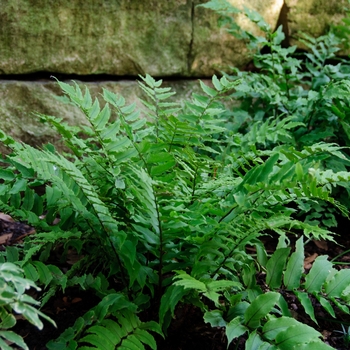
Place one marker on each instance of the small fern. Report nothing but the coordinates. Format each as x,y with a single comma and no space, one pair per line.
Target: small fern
264,314
14,300
111,324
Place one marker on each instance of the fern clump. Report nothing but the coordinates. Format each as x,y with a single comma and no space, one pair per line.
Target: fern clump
166,206
163,206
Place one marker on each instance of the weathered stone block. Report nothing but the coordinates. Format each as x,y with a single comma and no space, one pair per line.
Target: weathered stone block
20,100
312,17
161,38
95,36
214,49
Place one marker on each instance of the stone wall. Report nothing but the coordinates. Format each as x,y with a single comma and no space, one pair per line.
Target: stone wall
124,38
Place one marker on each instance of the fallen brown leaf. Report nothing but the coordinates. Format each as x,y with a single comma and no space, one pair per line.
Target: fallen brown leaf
6,217
321,244
309,260
5,238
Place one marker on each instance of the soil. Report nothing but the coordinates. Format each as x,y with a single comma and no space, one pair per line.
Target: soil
187,330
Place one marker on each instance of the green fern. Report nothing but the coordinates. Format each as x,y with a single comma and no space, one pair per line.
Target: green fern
173,191
264,315
111,324
14,300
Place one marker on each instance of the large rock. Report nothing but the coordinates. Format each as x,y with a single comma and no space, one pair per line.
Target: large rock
162,38
214,50
312,17
95,36
20,100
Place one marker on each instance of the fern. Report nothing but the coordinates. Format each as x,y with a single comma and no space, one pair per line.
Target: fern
111,324
255,312
14,300
165,204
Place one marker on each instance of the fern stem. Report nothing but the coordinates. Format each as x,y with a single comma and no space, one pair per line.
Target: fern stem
228,255
194,185
161,252
172,139
228,213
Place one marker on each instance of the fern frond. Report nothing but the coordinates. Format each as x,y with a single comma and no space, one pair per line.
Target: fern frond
111,324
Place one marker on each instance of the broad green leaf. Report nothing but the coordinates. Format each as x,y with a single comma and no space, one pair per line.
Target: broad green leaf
284,307
307,304
261,253
118,145
314,345
223,284
12,337
111,325
94,110
259,308
4,345
275,266
29,312
129,249
234,329
187,281
117,300
12,255
110,132
277,325
267,168
53,194
335,286
147,234
254,342
341,306
216,83
6,174
45,275
295,335
159,157
7,319
30,272
326,305
318,274
102,119
299,171
151,326
25,170
15,200
170,299
145,338
128,109
19,186
131,343
209,91
160,169
110,338
97,341
295,266
214,318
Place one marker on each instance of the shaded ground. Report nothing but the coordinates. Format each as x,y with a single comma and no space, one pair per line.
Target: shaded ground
188,330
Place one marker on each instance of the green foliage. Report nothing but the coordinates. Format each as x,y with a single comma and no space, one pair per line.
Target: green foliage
14,300
111,324
161,204
264,314
147,198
